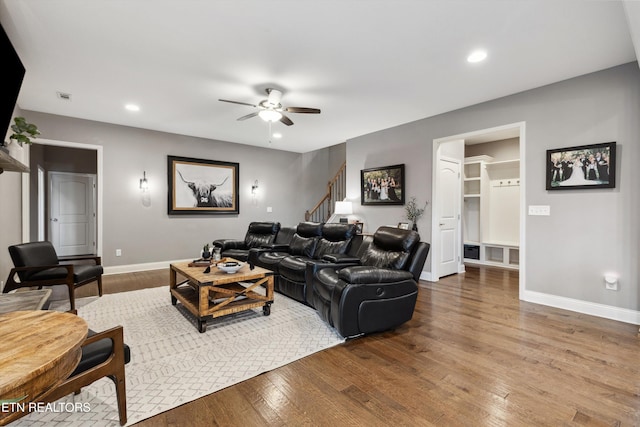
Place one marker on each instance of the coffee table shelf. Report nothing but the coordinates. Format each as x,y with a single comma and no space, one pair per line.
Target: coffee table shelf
215,294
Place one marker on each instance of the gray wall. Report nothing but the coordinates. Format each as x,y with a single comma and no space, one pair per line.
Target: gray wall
589,232
148,234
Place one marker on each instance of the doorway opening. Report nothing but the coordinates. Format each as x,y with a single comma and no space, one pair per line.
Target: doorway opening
85,162
504,180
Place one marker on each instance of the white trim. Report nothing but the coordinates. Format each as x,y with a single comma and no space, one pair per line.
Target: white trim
591,308
132,268
41,203
521,126
427,275
100,182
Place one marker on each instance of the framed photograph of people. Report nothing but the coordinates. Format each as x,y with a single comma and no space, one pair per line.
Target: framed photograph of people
202,187
584,166
382,186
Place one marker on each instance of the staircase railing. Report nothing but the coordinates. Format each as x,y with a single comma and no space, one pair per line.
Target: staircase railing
336,191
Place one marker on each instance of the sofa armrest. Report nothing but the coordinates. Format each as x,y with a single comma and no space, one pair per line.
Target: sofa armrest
341,259
381,301
225,244
254,253
362,274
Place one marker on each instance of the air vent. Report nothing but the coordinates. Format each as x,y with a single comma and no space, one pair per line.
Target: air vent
64,96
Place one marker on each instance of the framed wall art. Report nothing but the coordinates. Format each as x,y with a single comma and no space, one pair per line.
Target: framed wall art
382,186
581,167
202,187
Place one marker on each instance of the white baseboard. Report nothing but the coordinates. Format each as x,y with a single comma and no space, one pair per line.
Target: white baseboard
132,268
591,308
426,275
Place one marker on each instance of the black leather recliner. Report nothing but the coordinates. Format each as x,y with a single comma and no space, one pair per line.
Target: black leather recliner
374,291
334,239
258,235
302,241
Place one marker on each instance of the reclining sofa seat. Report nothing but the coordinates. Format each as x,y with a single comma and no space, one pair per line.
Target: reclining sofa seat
334,239
378,294
259,234
269,256
303,243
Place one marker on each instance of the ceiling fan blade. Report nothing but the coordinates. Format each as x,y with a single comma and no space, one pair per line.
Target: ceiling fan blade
248,116
302,110
237,102
286,120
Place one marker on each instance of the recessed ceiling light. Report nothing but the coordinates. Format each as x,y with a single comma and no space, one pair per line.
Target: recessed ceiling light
277,135
132,107
477,56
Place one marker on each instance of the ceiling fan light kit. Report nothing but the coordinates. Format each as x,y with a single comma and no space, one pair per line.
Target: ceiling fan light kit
271,110
270,115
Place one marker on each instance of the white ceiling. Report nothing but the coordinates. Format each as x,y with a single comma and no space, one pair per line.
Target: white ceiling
368,65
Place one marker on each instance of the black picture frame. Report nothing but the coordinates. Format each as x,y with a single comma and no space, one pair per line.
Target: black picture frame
595,165
202,187
382,186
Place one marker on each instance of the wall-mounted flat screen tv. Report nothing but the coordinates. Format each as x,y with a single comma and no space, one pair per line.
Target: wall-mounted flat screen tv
13,73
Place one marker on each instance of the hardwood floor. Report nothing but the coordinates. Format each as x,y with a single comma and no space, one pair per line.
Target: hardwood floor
472,355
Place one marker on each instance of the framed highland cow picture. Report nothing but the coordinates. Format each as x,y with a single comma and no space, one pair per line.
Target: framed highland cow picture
202,187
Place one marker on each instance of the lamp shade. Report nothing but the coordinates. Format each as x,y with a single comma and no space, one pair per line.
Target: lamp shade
343,208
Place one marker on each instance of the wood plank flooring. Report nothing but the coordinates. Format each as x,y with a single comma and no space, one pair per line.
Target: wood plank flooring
473,355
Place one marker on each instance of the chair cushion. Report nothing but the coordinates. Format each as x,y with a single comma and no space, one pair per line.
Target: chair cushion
95,353
335,232
261,234
391,248
84,272
50,274
271,260
304,246
309,229
294,268
326,247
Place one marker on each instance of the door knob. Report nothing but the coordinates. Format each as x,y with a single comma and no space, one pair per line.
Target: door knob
54,219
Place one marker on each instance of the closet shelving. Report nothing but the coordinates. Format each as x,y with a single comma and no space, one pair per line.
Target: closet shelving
491,211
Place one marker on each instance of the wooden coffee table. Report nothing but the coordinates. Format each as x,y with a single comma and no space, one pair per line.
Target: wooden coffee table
215,294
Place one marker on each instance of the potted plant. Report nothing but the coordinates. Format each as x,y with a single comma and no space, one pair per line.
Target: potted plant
23,131
413,212
206,251
22,134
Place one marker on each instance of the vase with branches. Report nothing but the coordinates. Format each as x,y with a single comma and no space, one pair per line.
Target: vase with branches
414,211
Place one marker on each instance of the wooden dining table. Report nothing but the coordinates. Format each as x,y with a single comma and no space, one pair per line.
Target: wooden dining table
39,350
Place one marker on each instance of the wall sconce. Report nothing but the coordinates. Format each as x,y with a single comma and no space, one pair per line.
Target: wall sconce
254,187
144,184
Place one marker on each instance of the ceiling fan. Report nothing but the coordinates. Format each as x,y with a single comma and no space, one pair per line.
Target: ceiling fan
271,110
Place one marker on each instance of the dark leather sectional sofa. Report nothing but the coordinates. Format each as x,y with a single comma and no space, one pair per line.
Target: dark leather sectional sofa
359,284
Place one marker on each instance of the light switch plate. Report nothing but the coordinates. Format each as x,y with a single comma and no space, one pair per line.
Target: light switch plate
544,210
269,209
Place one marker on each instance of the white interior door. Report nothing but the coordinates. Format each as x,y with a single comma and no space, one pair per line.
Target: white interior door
449,195
72,219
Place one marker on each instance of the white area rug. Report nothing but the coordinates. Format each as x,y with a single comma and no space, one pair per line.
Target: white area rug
172,363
